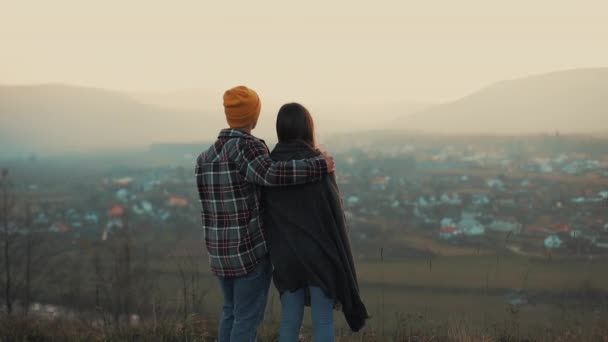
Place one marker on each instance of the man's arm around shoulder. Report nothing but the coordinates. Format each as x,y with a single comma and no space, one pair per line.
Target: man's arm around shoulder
257,167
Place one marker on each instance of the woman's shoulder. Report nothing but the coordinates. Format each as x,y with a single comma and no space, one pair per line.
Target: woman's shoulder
293,151
309,154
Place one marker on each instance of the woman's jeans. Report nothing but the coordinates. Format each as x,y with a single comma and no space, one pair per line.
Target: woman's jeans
292,312
244,303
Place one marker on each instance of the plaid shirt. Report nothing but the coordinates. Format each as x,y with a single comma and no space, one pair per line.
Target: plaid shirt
229,175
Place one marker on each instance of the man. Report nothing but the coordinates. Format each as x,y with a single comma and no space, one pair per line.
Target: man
229,175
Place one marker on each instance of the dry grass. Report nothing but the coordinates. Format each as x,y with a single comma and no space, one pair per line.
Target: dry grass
502,272
25,330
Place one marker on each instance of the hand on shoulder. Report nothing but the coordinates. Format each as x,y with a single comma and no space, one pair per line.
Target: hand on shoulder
331,165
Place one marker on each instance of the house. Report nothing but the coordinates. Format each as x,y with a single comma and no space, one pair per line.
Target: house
91,217
448,228
41,219
379,183
527,184
545,167
506,202
72,213
601,242
164,214
123,181
578,200
469,225
59,227
352,200
454,199
143,208
505,226
14,228
147,207
447,222
422,202
552,241
116,210
562,227
177,201
495,183
150,185
480,199
122,195
576,233
137,210
562,158
571,169
448,232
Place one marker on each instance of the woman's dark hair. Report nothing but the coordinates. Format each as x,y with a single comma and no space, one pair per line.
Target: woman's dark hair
294,123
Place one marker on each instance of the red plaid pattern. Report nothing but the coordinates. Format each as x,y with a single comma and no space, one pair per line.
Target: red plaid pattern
228,176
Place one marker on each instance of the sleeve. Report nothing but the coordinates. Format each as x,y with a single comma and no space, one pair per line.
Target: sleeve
257,167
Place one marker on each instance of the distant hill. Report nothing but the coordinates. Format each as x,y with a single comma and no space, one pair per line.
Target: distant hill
572,101
56,117
187,99
330,117
64,118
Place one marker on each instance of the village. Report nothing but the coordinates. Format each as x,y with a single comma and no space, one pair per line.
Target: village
459,195
475,221
531,206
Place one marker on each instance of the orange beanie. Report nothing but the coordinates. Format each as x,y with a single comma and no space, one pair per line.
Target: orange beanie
242,106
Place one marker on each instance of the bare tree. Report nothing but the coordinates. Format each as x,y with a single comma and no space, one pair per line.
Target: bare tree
8,236
30,243
144,283
22,259
114,275
193,293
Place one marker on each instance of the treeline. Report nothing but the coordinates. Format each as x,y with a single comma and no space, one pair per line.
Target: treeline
107,282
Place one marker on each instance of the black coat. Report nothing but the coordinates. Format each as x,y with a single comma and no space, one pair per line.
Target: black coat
306,235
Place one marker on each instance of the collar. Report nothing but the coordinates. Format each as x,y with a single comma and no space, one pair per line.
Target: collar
228,133
231,132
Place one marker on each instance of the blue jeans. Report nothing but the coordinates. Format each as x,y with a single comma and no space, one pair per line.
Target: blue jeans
244,303
292,312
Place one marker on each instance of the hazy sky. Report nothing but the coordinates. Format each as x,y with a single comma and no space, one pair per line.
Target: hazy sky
315,50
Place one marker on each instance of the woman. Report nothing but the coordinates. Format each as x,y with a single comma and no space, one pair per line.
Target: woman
306,236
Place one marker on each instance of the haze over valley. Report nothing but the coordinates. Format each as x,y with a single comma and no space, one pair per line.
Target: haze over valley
55,117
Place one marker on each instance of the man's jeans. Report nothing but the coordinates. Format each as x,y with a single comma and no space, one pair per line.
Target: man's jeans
244,303
292,312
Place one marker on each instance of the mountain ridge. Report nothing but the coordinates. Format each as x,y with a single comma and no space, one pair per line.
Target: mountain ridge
569,101
57,117
60,117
